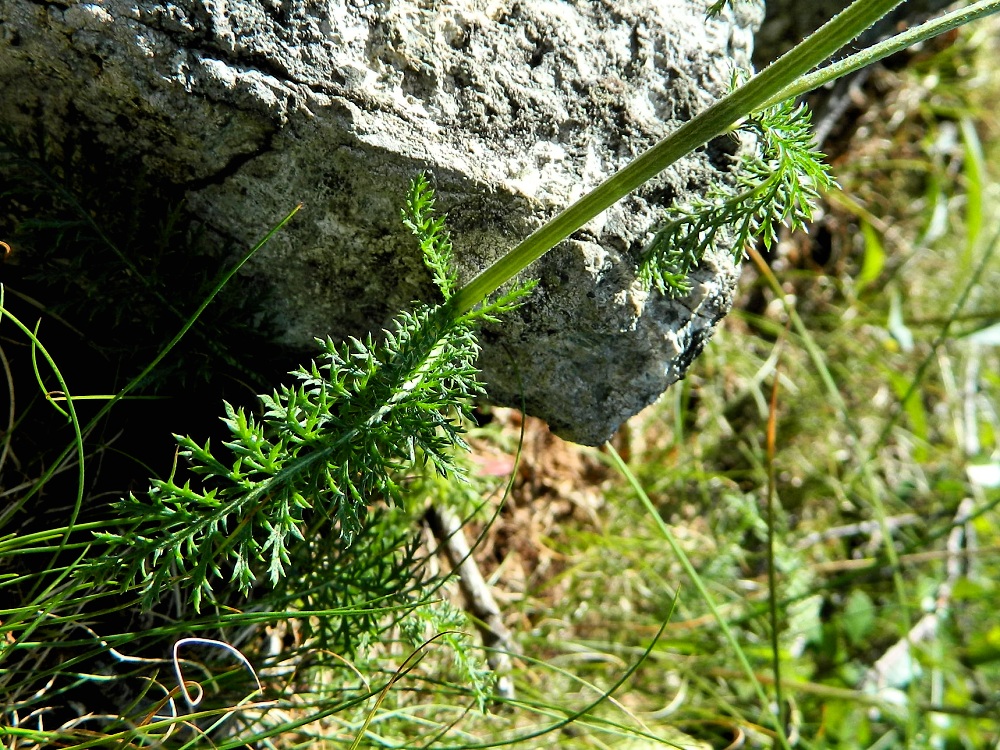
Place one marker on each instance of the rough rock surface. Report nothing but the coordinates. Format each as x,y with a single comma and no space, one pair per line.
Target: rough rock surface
250,106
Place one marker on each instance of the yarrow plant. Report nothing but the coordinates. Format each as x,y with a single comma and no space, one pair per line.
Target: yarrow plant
364,412
785,79
777,183
339,438
325,448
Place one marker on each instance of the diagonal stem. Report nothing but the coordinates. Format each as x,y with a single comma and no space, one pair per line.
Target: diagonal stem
712,122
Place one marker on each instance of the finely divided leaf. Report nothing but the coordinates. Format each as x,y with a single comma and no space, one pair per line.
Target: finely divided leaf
325,448
776,185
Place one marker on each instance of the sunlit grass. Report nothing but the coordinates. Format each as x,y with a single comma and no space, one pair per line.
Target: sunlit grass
886,398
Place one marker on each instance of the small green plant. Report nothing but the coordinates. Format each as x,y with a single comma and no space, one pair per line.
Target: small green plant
777,183
717,7
323,450
356,575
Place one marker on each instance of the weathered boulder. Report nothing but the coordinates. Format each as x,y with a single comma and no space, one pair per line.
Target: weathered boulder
248,107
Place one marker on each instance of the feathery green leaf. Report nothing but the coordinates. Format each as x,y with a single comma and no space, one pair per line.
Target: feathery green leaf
325,448
777,184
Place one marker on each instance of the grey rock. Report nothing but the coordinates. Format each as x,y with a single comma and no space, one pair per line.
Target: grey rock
516,108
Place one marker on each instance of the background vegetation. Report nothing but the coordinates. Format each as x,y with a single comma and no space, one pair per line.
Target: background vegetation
850,551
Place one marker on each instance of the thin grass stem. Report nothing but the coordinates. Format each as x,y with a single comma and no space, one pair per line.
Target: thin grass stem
699,585
772,577
885,48
69,412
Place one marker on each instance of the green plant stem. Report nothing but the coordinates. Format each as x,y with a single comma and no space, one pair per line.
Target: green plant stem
883,49
12,544
689,569
712,122
69,412
772,573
